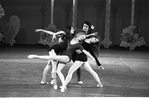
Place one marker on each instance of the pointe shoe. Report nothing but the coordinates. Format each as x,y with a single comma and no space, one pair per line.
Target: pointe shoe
44,83
62,89
80,82
99,85
52,82
31,56
55,87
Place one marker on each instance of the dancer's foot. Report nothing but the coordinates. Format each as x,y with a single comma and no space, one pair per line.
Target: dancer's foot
52,82
62,89
44,83
99,85
31,56
55,86
80,82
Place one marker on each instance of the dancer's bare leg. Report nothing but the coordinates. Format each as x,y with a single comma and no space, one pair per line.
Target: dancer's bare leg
53,73
54,65
45,73
72,69
94,74
61,58
59,69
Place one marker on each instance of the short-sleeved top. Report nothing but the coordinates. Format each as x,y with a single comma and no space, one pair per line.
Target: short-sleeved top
71,48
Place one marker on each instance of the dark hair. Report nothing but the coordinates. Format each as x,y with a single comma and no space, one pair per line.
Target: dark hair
89,25
68,28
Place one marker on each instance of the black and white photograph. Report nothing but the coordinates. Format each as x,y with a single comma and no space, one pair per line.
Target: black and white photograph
74,48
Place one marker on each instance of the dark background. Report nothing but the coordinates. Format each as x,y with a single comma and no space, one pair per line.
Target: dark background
36,14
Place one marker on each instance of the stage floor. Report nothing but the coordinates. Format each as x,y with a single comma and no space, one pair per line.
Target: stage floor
126,74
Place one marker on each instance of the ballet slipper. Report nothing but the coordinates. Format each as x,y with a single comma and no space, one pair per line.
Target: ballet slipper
55,87
44,83
62,89
99,85
80,82
52,82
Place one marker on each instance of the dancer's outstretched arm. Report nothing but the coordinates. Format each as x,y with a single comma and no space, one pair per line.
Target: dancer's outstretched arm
46,31
60,32
50,32
95,33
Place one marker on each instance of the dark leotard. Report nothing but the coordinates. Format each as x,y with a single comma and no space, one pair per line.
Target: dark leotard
71,49
80,57
88,47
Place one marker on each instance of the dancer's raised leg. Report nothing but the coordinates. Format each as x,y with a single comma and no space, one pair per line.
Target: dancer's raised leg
72,69
61,58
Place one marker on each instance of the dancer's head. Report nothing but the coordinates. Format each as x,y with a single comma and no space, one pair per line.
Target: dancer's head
86,27
80,36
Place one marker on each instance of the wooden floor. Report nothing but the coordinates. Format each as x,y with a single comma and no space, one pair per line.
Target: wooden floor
126,74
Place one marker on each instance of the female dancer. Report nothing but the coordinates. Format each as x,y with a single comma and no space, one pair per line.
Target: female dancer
80,60
55,50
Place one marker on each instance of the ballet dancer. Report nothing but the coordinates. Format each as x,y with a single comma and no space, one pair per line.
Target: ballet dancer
81,60
55,50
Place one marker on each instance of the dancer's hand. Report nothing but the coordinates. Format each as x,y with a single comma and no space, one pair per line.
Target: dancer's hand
60,40
92,27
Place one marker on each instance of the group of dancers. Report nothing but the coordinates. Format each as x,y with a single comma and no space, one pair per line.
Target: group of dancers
76,45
